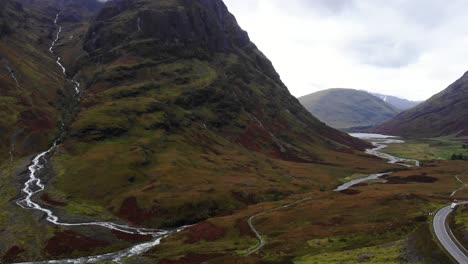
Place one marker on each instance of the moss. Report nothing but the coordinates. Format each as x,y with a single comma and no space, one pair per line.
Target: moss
87,209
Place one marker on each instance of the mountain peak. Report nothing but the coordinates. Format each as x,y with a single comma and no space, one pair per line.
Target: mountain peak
348,108
194,24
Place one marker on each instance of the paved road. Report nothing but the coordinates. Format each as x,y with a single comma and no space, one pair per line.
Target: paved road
446,237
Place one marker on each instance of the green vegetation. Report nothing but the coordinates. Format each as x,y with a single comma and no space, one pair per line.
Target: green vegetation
348,108
429,149
188,123
458,222
388,253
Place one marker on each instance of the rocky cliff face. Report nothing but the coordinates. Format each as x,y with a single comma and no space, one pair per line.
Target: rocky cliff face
189,24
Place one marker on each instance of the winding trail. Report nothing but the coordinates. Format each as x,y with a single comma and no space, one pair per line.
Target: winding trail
380,142
464,185
34,186
257,233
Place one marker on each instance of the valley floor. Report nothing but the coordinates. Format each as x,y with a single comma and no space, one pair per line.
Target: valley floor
385,220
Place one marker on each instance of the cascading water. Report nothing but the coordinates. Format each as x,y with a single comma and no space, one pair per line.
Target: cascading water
34,185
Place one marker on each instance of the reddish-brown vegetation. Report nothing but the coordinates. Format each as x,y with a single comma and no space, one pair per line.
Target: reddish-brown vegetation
350,192
37,120
12,253
66,242
255,138
190,258
47,199
130,211
362,184
204,231
131,237
413,178
244,228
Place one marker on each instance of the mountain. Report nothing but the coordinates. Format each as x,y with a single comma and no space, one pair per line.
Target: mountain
30,89
348,108
164,102
399,103
443,114
179,118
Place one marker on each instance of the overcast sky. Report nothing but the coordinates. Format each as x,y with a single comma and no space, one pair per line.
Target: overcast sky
408,48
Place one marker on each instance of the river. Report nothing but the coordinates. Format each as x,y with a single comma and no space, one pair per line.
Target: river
379,142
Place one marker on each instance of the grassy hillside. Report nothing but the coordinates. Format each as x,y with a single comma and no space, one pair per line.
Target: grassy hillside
30,81
442,115
187,122
182,121
348,108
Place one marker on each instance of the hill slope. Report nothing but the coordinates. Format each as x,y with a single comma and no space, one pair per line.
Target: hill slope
191,97
175,124
443,114
348,108
400,103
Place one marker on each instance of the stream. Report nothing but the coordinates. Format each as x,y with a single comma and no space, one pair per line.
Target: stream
34,186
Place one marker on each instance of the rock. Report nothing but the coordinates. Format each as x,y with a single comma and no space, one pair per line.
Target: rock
364,257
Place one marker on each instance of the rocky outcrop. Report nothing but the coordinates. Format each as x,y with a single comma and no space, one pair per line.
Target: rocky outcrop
199,24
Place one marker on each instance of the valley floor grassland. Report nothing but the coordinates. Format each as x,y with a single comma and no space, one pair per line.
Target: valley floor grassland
333,227
429,149
376,222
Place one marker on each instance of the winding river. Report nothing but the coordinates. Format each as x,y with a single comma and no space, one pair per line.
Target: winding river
380,142
34,186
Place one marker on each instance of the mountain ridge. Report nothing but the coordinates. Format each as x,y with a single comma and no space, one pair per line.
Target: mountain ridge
441,115
400,103
348,108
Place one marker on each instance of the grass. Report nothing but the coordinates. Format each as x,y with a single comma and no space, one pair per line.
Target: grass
458,222
388,253
86,209
428,149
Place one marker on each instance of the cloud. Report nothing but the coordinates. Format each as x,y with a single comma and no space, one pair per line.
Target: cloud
382,51
411,49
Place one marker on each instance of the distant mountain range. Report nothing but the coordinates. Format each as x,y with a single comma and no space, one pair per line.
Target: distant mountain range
400,103
348,109
443,114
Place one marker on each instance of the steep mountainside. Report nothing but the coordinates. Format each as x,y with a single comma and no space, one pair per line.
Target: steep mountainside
399,103
443,114
348,108
192,96
30,83
179,119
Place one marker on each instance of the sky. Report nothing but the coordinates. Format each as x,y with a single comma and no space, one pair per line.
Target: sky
408,48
